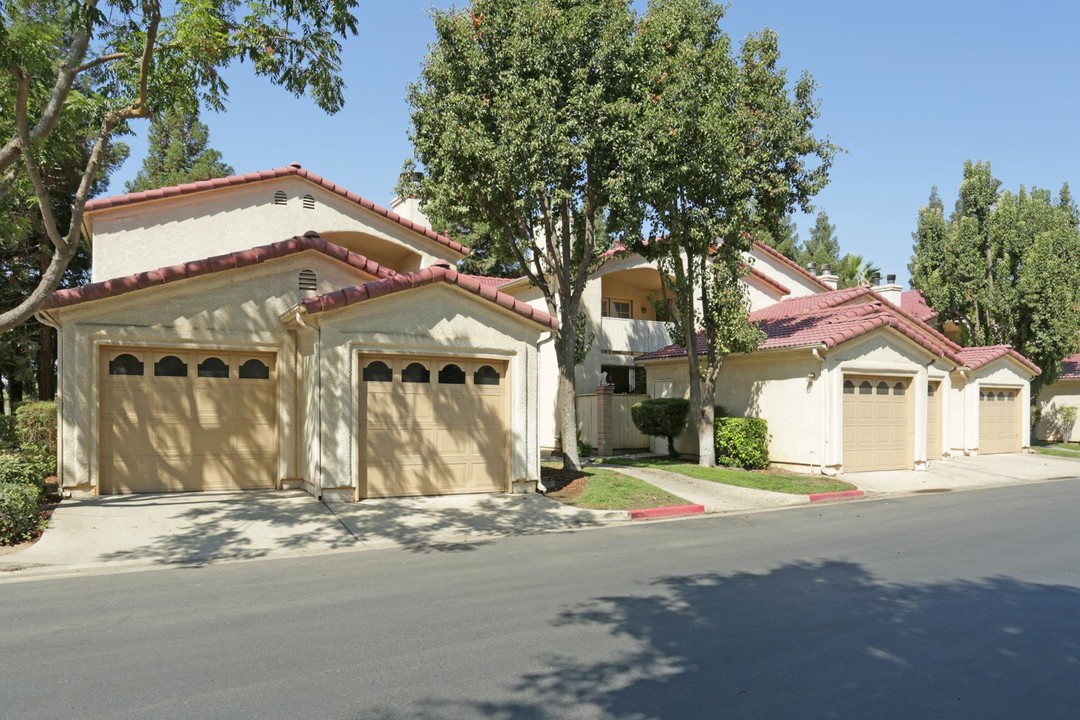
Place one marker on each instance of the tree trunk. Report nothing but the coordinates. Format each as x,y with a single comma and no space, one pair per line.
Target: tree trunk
566,398
46,369
706,419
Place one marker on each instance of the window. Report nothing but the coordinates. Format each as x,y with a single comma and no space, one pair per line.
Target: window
899,389
280,198
170,366
308,281
865,388
308,202
213,367
990,397
883,388
416,373
610,307
378,371
254,369
849,387
125,364
451,375
486,375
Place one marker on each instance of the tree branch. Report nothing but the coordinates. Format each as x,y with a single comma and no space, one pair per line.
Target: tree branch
99,61
22,84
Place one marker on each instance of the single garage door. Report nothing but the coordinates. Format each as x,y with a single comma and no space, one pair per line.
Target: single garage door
999,420
877,424
432,426
176,420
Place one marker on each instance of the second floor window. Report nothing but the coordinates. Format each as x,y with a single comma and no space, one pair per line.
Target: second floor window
611,307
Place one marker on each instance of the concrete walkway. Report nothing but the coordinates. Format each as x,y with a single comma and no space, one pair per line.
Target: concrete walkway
716,497
968,473
190,529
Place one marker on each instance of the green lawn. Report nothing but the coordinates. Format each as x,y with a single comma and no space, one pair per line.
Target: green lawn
790,483
1070,450
603,489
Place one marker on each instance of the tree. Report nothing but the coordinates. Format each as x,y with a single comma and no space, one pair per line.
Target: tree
114,61
823,246
1005,267
178,153
727,150
853,270
521,119
785,238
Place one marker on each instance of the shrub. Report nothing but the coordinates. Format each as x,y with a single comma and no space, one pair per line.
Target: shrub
20,518
35,425
661,417
1067,415
742,442
26,468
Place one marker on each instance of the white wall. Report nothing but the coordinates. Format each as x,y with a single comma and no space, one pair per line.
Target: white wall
145,236
1051,399
784,274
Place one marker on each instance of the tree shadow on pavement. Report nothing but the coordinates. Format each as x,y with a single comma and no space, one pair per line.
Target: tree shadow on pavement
807,640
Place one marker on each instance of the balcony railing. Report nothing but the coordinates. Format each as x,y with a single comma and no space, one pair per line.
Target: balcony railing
636,336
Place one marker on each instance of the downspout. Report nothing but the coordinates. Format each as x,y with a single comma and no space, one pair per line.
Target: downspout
314,329
46,319
816,353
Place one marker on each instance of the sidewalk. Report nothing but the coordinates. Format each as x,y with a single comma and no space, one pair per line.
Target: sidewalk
716,497
969,473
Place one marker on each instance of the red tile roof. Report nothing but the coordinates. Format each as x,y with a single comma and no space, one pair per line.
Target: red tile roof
785,260
229,261
757,274
263,175
913,303
977,357
1070,368
491,281
426,276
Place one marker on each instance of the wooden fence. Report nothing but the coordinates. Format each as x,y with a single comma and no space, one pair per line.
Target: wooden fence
624,435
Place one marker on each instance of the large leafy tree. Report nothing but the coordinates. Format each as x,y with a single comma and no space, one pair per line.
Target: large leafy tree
178,152
727,150
1005,267
120,61
784,238
522,118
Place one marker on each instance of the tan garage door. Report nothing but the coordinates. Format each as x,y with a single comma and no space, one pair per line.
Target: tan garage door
877,424
933,421
175,420
999,420
432,426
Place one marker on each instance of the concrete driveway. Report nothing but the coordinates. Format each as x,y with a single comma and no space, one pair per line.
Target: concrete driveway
189,529
967,473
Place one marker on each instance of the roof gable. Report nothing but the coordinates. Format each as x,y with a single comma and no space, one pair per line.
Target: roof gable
115,201
229,261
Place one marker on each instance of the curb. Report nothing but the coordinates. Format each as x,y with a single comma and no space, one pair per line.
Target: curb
666,512
842,495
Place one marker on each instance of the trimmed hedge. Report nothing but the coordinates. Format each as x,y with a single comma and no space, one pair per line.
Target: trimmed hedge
35,425
20,518
742,442
661,417
29,467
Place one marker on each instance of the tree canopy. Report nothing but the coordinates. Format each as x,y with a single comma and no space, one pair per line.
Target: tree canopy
105,63
1004,267
178,153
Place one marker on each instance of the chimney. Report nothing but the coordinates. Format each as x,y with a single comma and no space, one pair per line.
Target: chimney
890,290
827,277
409,208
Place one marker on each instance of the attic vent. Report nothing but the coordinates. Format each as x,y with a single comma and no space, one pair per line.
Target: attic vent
308,281
309,202
280,198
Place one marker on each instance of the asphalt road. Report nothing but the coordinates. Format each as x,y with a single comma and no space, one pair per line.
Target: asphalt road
947,606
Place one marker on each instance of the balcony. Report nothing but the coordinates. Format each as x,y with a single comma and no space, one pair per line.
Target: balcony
632,336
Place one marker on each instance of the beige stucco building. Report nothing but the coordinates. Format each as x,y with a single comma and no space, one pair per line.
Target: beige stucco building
1065,392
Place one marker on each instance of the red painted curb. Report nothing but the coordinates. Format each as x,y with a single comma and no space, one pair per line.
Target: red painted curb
669,511
842,495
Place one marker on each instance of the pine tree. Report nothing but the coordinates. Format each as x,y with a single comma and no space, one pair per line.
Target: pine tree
178,153
823,247
785,238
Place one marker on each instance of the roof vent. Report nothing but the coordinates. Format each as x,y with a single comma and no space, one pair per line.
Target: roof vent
444,265
309,283
812,268
891,279
294,165
309,202
280,198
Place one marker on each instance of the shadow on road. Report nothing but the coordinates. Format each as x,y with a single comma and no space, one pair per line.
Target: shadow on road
822,640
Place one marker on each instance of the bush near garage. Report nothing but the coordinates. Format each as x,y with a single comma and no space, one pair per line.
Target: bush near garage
742,442
28,468
35,425
20,512
661,417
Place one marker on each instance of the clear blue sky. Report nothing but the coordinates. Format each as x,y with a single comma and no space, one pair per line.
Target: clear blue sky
909,89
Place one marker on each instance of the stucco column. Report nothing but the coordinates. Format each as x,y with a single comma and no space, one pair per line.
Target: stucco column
604,427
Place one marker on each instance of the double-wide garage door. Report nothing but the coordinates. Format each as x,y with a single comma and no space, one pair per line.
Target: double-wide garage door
999,420
877,423
174,420
432,426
